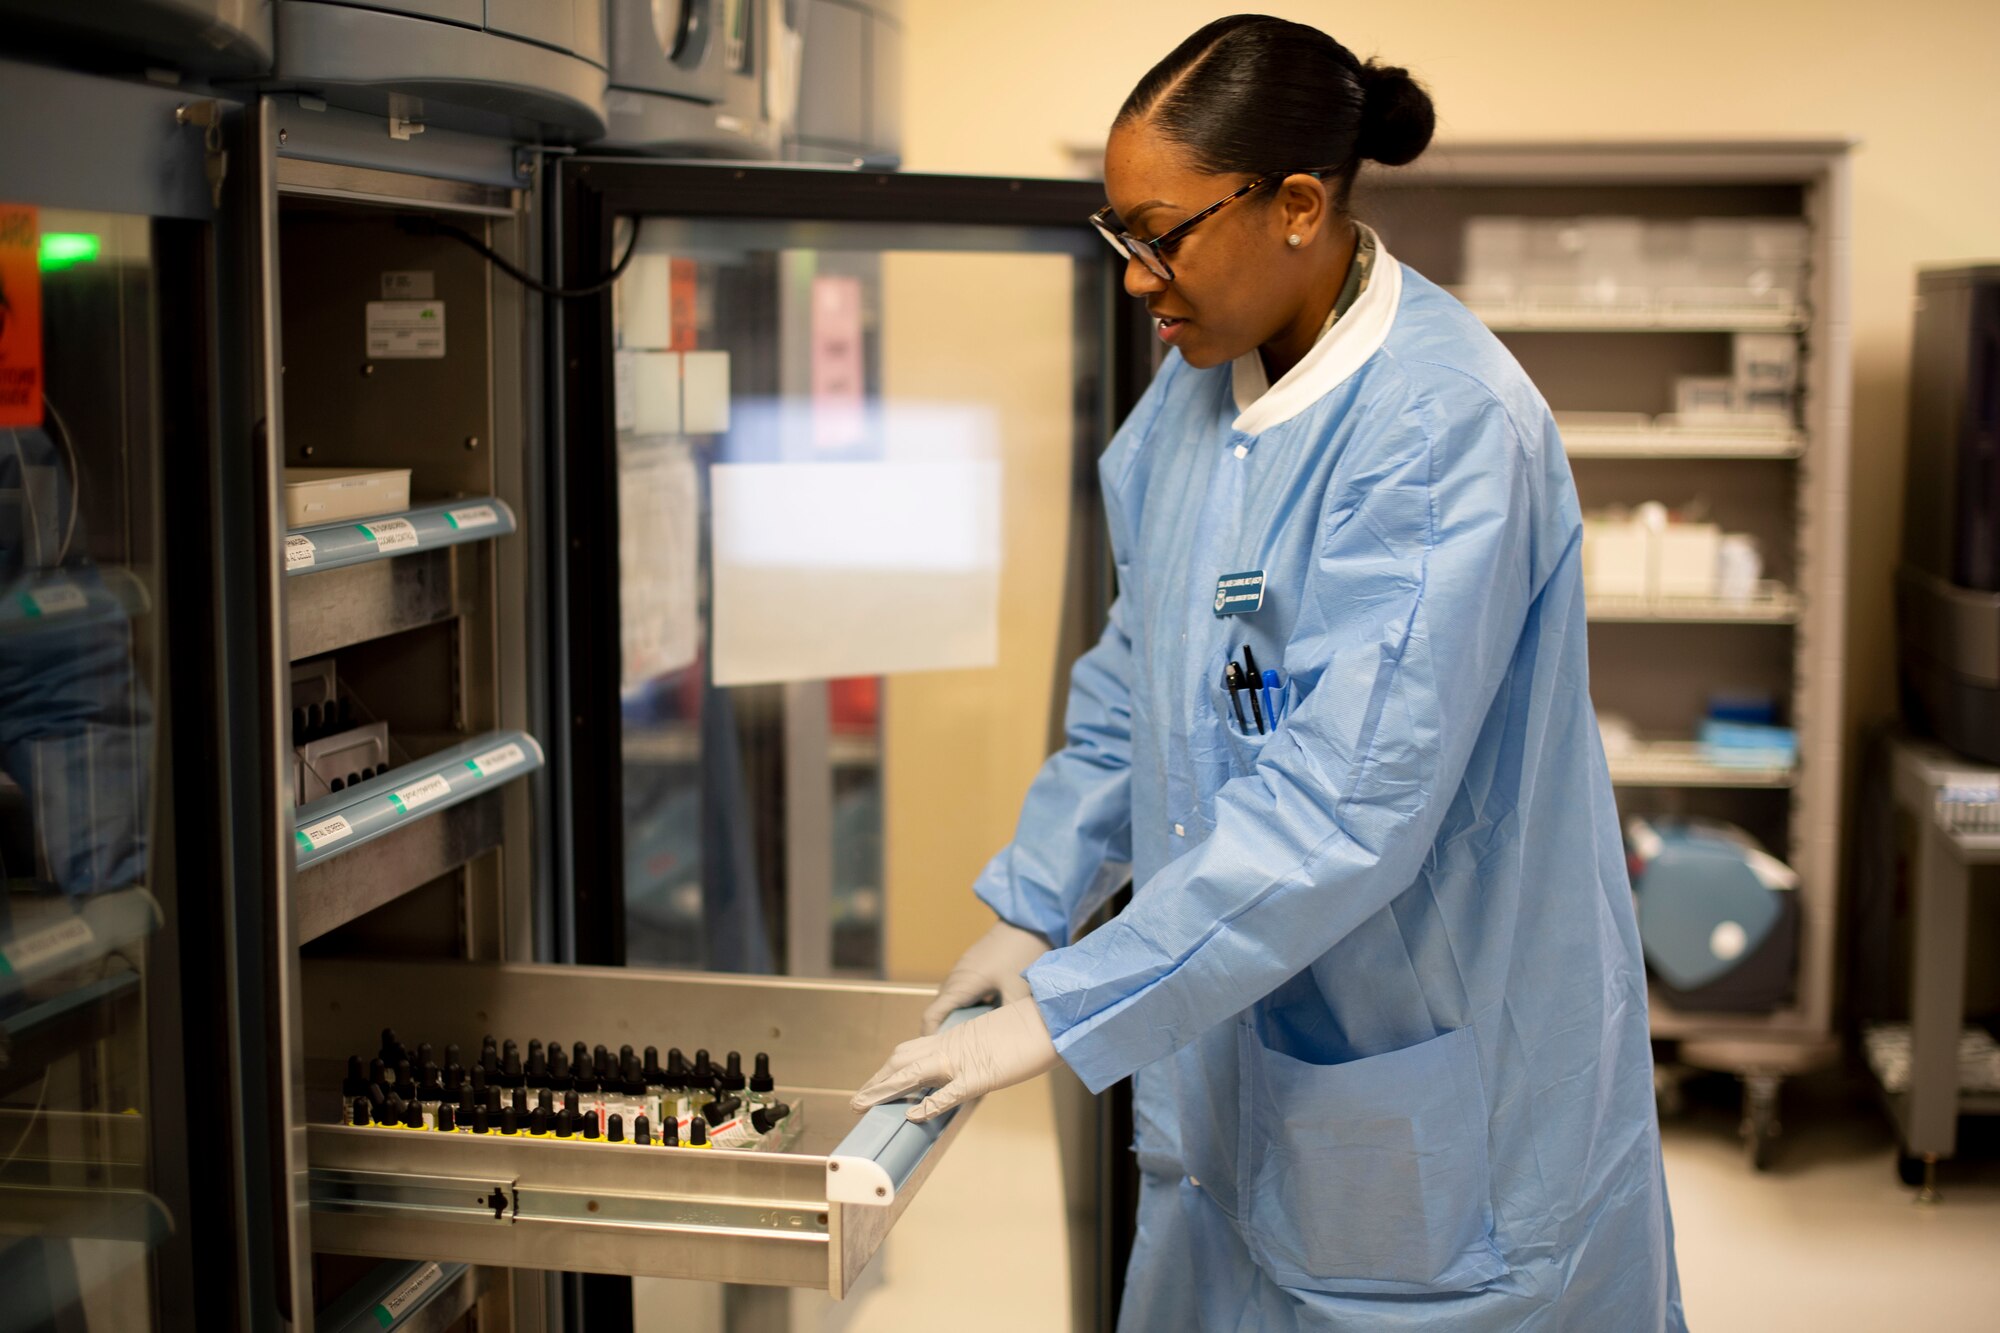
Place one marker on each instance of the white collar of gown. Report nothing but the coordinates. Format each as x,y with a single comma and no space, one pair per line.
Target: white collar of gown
1355,336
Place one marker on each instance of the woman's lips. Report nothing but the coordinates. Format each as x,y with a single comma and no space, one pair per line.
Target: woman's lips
1169,328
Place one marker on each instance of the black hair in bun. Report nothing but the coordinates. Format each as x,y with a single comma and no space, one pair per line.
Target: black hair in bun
1253,95
1397,118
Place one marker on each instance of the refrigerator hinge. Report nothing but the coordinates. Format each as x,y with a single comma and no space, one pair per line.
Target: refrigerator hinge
207,113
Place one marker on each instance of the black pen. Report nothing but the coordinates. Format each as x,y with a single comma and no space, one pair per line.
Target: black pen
1233,678
1250,685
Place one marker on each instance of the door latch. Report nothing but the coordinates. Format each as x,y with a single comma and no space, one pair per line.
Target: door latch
215,159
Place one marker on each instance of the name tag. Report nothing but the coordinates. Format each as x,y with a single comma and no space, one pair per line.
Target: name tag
1239,594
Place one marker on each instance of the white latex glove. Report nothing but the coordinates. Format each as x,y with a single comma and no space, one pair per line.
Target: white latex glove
993,1051
990,969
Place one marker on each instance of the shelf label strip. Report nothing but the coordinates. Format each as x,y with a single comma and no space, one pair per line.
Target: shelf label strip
497,760
420,793
476,516
300,553
390,534
315,836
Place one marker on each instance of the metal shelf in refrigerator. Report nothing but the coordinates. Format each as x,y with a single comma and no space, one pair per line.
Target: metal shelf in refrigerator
386,536
358,815
810,1216
1688,764
1772,604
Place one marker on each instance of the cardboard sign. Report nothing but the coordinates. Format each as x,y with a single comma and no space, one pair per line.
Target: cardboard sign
20,316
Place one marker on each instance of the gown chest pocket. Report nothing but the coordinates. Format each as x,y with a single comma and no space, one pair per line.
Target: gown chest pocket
1369,1176
1236,747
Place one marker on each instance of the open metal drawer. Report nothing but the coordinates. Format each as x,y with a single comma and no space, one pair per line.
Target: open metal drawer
811,1216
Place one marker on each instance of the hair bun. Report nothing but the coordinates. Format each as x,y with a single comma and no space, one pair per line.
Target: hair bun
1397,118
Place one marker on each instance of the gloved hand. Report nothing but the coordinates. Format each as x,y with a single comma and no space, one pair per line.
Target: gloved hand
993,1051
991,968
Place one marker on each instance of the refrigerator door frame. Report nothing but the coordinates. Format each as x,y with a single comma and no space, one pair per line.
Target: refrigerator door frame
590,195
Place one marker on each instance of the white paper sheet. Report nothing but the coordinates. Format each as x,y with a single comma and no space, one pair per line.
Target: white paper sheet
659,550
828,570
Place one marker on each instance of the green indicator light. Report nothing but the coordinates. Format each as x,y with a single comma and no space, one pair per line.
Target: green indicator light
65,249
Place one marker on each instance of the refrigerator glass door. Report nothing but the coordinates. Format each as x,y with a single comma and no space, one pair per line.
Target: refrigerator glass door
847,466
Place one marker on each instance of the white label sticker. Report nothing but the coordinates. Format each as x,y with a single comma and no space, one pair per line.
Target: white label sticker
405,330
391,534
40,947
416,794
476,516
55,599
331,829
497,761
300,551
404,1298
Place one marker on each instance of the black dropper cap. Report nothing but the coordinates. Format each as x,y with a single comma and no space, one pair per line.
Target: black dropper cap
392,1050
510,1072
377,1097
493,1100
482,1122
406,1077
413,1116
614,1132
677,1068
363,1114
432,1088
546,1099
579,1059
697,1133
378,1071
565,1126
509,1047
520,1102
356,1082
535,1048
467,1101
478,1082
766,1118
761,1080
391,1110
651,1070
425,1055
509,1122
452,1056
538,1123
642,1130
600,1063
732,1077
536,1070
569,1103
704,1071
587,1124
454,1077
635,1077
721,1109
447,1119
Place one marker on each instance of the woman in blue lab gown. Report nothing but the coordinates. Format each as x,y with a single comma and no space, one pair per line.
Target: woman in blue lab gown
1379,984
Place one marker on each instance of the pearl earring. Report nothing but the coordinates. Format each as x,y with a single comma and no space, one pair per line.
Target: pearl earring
1294,240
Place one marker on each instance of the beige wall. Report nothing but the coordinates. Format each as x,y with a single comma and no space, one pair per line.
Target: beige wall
1010,88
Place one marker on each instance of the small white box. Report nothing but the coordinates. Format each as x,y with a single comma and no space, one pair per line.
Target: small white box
1766,361
656,393
316,495
704,392
1704,396
1765,407
1686,556
1617,557
645,303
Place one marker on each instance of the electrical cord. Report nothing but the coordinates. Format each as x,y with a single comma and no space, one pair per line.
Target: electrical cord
422,226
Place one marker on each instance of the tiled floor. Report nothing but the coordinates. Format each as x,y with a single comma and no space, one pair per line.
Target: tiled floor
1827,1241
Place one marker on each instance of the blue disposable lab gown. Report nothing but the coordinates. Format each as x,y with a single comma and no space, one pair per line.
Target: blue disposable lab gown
1379,981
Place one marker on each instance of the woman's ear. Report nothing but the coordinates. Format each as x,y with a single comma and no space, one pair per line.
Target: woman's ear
1303,209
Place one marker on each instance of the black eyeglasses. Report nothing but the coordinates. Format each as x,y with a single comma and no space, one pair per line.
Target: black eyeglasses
1153,253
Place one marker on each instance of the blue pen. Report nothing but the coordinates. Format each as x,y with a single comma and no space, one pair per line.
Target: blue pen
1270,703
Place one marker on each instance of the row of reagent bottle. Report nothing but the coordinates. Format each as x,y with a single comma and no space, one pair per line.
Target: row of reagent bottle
738,1130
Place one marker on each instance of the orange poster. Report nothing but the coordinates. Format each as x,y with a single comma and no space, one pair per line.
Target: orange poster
20,317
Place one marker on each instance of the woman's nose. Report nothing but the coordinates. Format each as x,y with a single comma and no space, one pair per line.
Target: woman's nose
1142,281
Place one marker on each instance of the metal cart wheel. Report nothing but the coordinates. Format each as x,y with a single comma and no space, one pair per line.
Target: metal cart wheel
1760,1127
